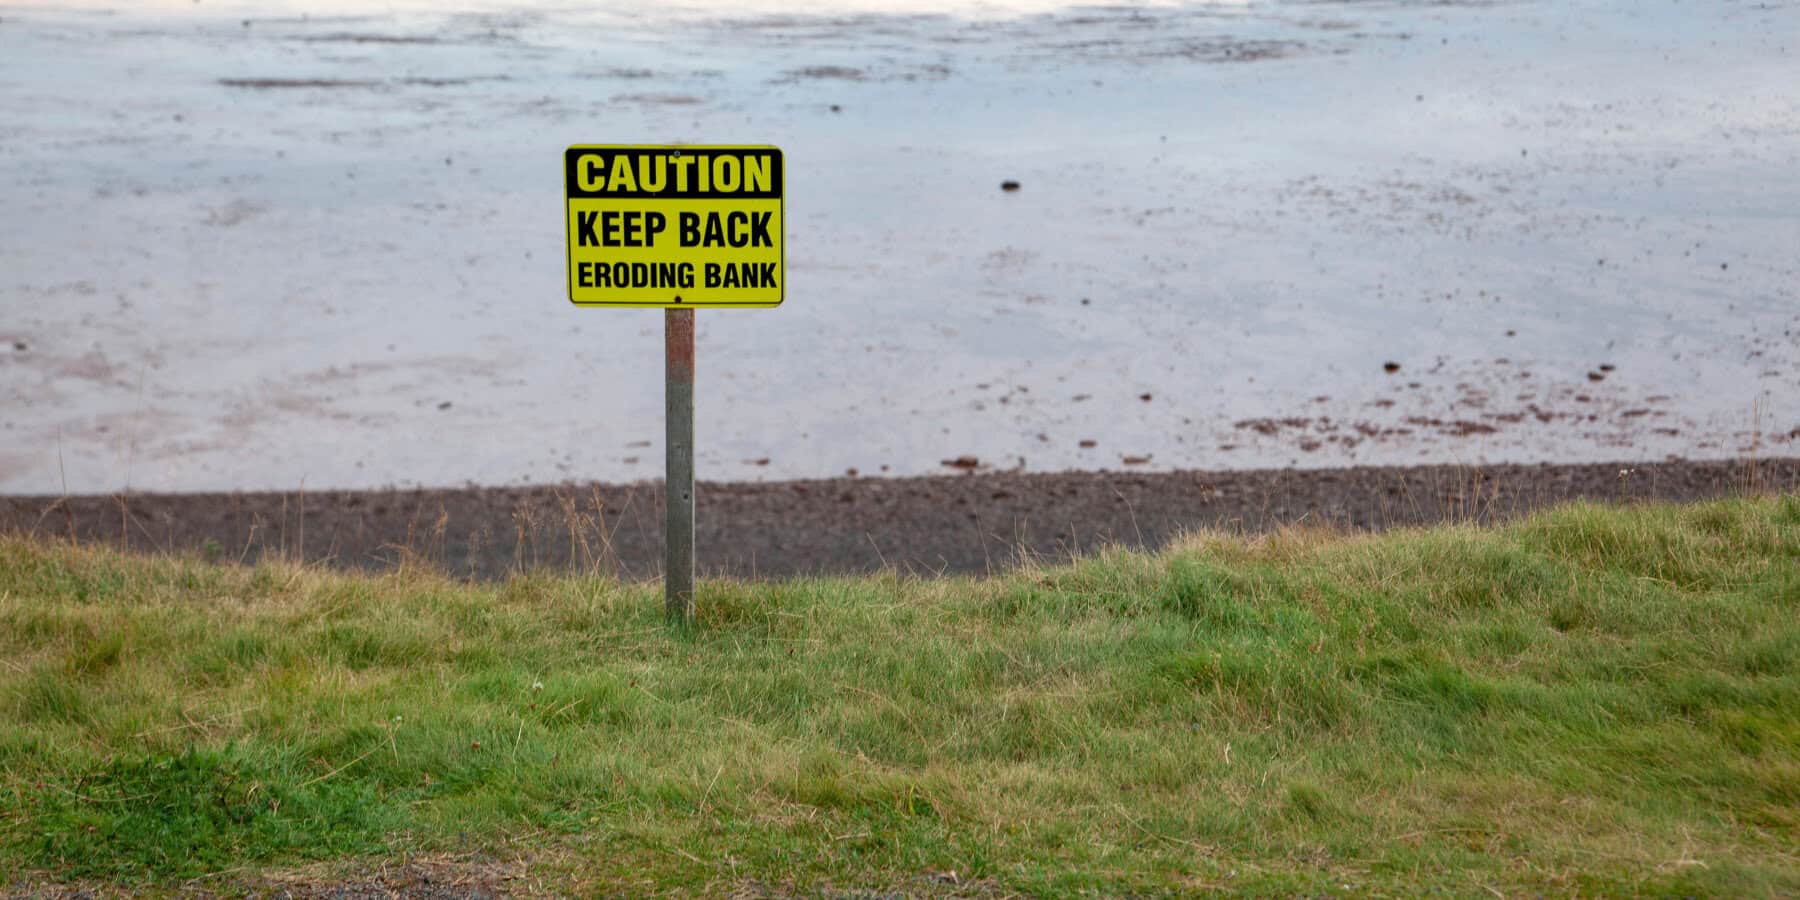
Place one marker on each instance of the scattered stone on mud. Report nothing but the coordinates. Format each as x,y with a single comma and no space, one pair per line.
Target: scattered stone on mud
1269,426
1456,428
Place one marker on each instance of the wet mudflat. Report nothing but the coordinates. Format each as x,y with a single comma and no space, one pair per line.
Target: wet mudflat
973,524
281,245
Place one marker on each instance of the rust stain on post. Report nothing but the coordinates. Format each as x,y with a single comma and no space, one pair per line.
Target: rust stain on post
679,333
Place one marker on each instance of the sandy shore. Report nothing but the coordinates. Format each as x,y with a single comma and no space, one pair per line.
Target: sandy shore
952,524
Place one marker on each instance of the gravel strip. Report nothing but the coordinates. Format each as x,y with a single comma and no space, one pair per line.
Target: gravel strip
973,523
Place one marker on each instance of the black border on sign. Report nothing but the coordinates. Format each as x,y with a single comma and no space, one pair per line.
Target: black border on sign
569,251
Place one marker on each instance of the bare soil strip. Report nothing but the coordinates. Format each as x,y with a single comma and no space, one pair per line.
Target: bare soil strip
932,525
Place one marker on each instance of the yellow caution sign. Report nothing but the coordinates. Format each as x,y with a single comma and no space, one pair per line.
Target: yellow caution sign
667,226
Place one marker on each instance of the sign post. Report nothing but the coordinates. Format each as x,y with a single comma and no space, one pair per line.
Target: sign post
678,417
677,228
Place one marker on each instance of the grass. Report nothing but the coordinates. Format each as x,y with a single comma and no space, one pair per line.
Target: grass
1591,700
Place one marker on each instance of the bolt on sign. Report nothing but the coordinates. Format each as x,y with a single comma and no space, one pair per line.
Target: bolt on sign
674,226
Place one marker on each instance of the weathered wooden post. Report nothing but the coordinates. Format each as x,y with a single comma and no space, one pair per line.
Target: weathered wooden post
678,416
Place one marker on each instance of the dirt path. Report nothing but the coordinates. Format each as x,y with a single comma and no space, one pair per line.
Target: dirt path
955,524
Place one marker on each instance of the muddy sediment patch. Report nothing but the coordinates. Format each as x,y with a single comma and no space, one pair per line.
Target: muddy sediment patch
624,74
454,81
1212,51
346,37
654,99
830,73
827,73
279,84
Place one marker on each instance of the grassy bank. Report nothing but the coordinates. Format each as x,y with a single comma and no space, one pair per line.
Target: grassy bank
1591,700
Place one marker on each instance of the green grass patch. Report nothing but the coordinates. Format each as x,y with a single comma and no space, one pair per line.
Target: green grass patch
1592,700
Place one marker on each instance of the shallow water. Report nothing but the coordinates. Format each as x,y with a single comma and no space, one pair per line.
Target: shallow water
267,249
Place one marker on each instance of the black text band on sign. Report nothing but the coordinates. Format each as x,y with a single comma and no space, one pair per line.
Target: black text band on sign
672,173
